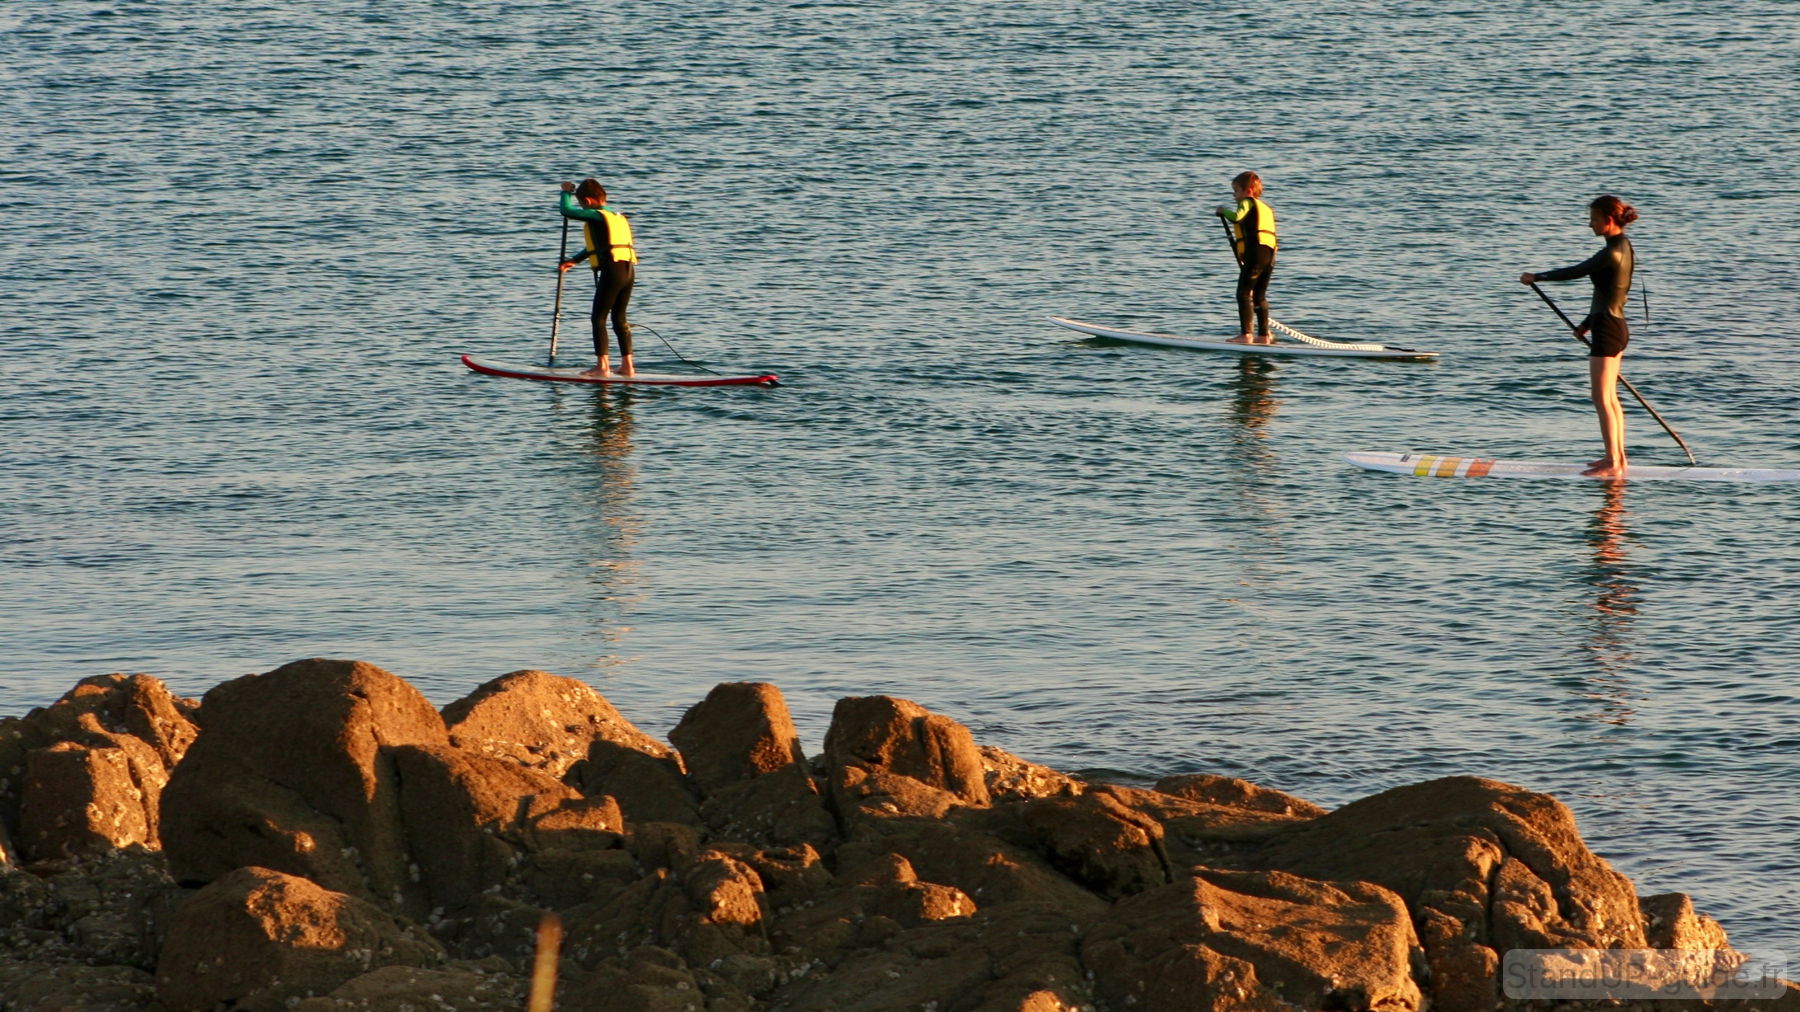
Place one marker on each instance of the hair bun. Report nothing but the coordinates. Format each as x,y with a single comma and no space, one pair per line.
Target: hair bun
1620,213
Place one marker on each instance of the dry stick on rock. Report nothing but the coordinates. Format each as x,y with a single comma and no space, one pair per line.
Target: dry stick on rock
543,967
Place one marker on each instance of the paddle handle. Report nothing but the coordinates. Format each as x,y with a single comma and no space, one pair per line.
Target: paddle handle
1231,241
556,315
1627,383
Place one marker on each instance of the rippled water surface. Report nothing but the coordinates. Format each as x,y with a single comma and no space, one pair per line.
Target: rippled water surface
243,246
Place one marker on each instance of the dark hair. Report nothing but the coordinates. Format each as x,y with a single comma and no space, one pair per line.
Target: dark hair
1249,182
1619,212
590,189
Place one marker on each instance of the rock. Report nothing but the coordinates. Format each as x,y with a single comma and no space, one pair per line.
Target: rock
664,844
1100,842
495,926
558,878
1255,940
542,721
81,800
740,731
256,938
1505,865
470,818
394,988
888,757
726,911
903,868
709,911
1018,959
1010,778
74,987
1234,793
778,809
877,896
991,868
110,909
139,732
790,875
137,705
647,980
1671,923
647,788
1462,974
289,773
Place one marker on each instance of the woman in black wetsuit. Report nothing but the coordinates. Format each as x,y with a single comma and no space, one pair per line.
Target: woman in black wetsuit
1610,270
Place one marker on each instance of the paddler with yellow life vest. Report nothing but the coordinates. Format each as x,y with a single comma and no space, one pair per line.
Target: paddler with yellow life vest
614,259
1253,225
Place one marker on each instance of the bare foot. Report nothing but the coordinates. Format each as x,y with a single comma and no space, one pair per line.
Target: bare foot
627,367
1605,469
1242,339
1266,339
603,369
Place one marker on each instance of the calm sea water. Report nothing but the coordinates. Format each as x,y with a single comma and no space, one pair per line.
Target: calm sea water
242,246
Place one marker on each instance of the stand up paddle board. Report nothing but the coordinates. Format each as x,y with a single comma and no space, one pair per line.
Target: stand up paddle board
1437,466
1308,345
576,375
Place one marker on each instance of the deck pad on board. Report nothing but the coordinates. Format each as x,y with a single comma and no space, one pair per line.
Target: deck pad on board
1448,466
575,375
1202,344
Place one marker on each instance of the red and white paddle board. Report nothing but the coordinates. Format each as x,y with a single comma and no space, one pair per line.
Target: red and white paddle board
579,375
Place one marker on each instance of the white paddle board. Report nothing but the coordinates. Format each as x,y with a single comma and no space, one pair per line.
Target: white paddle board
1445,466
578,375
1326,349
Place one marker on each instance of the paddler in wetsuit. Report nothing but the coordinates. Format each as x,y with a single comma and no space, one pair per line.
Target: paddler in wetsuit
1254,224
614,260
1610,270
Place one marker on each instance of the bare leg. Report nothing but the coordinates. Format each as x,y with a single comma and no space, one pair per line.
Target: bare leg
1603,384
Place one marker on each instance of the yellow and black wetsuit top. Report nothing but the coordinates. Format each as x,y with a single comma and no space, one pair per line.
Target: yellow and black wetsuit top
1251,217
1610,270
606,230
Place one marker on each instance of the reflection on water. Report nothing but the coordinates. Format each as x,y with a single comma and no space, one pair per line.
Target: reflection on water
616,576
1253,405
1256,478
1614,607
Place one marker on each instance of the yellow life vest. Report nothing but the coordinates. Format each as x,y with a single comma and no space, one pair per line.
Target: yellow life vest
1265,225
616,237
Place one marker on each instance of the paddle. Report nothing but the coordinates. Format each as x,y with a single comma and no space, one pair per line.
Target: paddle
1634,392
1231,240
556,318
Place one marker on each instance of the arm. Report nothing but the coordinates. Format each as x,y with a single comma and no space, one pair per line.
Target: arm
571,208
1233,213
1580,270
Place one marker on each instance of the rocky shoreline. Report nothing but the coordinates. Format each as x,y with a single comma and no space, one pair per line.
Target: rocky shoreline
320,837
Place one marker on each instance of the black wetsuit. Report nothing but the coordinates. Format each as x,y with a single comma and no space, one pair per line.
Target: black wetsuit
612,296
1610,270
613,277
1255,247
1253,288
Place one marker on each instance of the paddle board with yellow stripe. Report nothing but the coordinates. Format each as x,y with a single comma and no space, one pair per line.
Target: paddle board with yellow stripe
1435,465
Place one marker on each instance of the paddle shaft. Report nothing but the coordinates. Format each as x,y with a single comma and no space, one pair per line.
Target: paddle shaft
1231,240
1627,383
556,317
